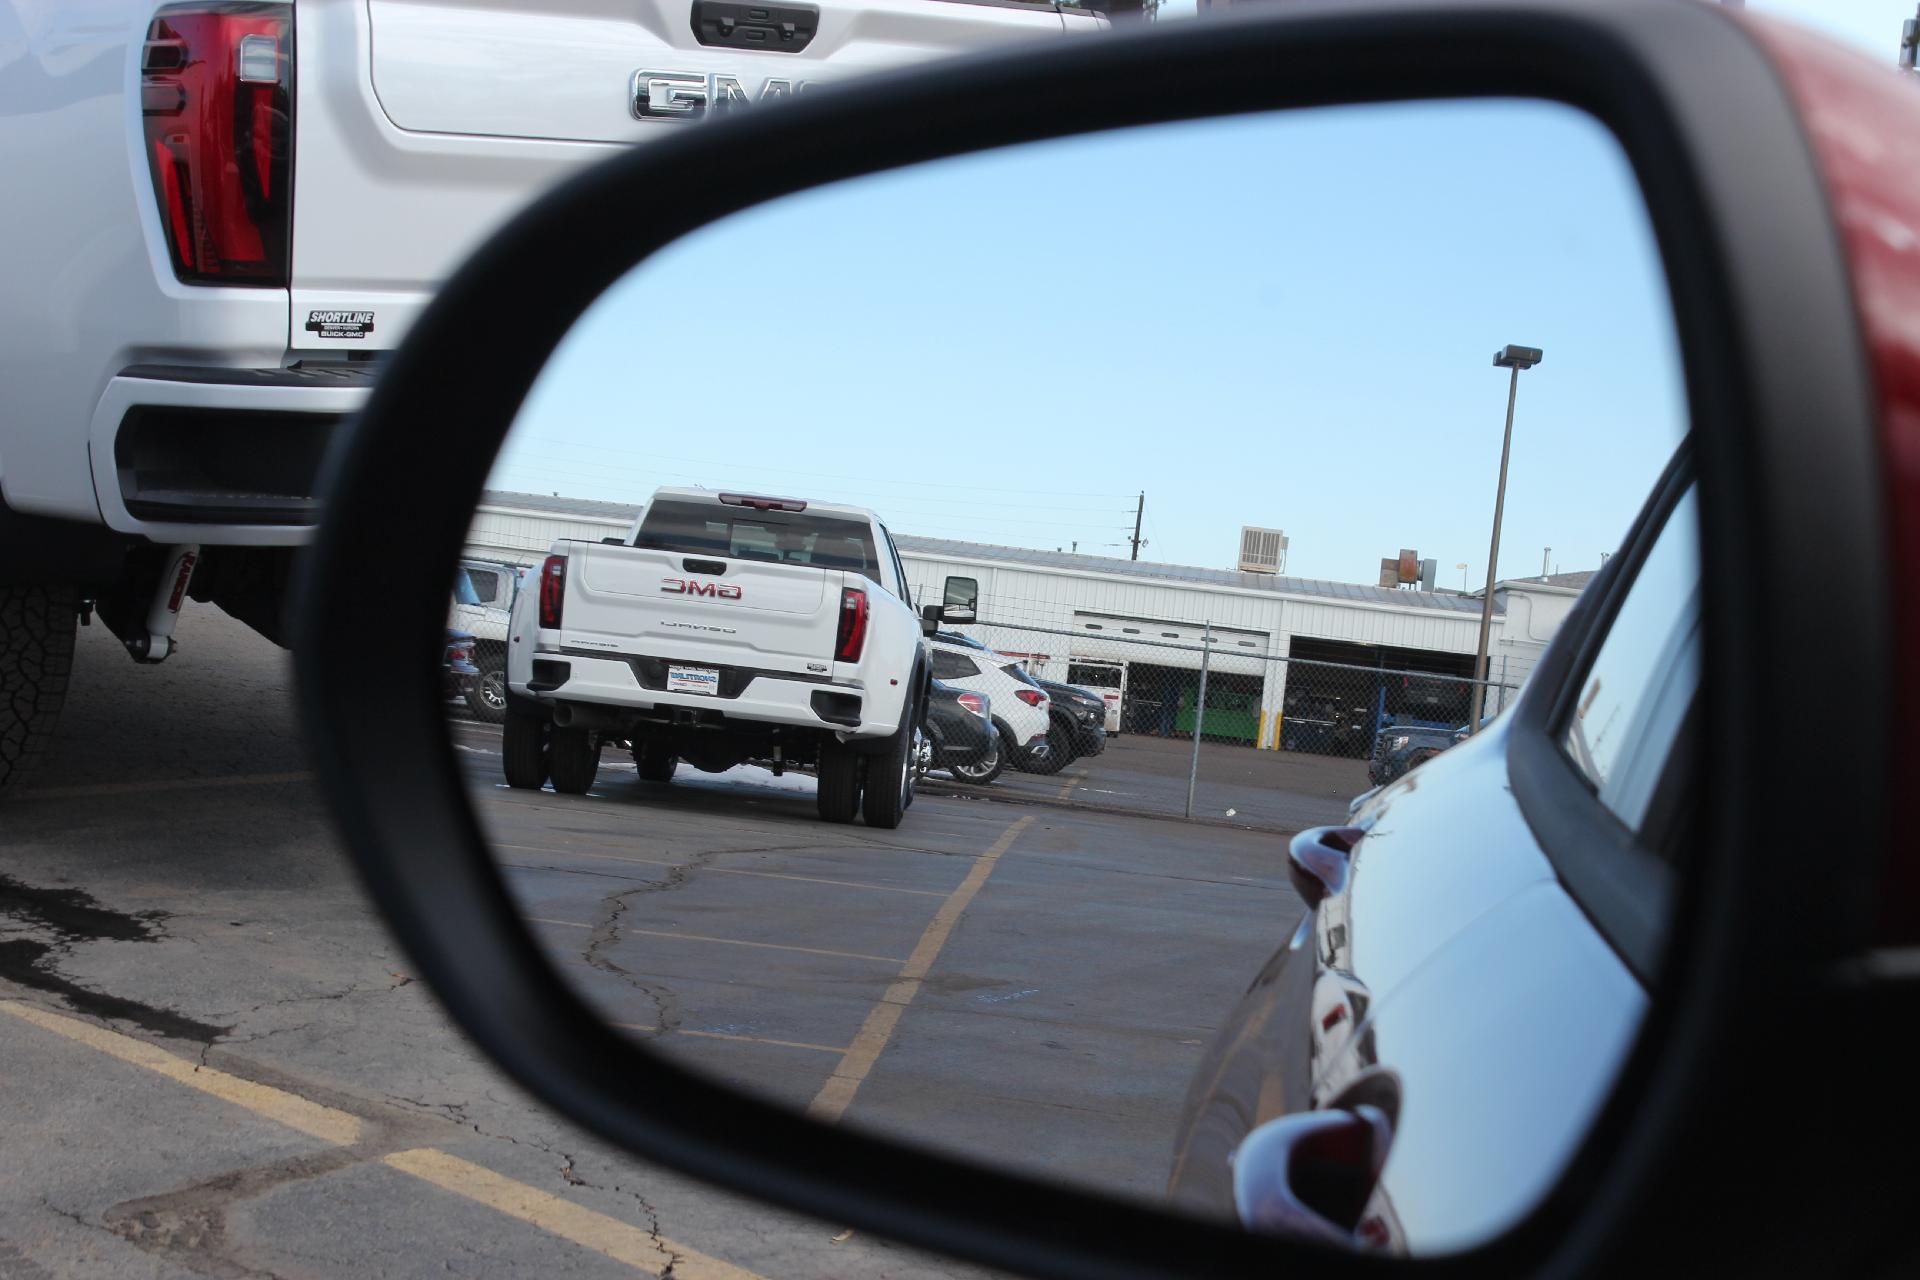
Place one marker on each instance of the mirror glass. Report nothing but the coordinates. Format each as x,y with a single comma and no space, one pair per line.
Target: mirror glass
1184,861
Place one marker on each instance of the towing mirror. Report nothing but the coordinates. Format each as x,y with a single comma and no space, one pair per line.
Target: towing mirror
984,1032
961,601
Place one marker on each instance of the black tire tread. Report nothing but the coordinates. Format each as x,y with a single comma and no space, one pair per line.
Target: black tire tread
573,758
523,750
884,804
654,764
839,795
37,626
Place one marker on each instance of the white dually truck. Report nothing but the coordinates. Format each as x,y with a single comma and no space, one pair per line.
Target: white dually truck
220,214
724,629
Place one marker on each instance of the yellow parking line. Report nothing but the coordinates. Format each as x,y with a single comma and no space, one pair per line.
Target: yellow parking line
278,1105
621,1241
1072,782
168,784
765,946
837,1094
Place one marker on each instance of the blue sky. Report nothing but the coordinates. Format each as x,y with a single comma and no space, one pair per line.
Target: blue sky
1286,319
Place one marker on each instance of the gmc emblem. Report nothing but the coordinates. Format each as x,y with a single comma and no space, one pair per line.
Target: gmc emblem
687,587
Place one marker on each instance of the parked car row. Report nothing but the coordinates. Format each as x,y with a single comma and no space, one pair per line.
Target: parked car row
1053,724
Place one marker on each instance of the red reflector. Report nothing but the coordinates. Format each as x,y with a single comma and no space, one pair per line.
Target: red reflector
853,626
1032,697
974,703
553,590
216,103
763,504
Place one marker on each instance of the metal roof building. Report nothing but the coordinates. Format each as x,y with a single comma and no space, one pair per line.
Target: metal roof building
1055,609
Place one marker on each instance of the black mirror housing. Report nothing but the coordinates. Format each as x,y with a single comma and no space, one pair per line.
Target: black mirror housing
1692,100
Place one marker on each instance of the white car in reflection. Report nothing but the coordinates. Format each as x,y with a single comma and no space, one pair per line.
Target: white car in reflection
1019,706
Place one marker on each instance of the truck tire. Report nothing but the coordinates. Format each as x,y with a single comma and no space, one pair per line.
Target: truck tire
839,794
574,757
523,750
890,779
487,696
36,660
654,763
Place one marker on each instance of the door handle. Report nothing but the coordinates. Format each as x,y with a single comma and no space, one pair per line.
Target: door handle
1310,1174
1318,860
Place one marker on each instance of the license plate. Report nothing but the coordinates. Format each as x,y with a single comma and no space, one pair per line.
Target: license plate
693,680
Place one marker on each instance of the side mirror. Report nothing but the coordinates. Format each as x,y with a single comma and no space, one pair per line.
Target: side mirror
961,600
931,617
1506,1163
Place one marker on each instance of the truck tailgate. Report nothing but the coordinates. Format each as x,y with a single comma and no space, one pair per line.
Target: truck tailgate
508,69
422,125
644,603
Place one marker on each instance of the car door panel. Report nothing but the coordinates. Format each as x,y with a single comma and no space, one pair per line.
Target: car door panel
1504,1045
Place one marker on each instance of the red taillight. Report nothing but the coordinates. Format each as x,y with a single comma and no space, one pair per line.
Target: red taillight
553,590
974,703
853,626
1032,697
215,96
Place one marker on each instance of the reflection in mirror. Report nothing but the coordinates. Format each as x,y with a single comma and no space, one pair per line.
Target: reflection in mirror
1173,428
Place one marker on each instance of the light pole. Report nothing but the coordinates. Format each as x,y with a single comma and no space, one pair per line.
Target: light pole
1462,567
1515,359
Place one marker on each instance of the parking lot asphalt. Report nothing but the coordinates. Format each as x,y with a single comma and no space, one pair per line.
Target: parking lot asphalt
214,1061
1027,985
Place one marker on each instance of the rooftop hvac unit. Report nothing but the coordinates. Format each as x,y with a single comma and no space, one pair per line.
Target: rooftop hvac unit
1262,550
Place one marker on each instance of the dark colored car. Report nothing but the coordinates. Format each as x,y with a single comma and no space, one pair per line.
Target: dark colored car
1325,724
1079,720
457,662
959,727
1461,996
1399,748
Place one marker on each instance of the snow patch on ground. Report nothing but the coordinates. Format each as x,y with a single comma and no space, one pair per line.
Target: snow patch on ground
746,775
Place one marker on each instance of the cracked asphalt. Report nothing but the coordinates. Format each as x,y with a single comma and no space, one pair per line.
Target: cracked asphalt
214,1061
171,888
1022,984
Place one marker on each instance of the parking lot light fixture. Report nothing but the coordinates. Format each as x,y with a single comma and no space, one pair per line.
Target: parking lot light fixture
1514,358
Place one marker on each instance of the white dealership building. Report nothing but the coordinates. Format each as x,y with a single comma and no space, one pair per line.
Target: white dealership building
1057,610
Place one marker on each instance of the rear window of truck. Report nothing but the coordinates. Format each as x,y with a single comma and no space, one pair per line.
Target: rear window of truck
772,537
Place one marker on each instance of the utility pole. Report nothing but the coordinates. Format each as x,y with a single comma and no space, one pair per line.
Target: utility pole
1513,358
1139,510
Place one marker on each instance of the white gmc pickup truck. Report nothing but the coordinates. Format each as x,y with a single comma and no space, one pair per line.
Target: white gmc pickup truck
725,628
220,213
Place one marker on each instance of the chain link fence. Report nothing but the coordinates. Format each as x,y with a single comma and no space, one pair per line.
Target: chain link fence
1207,722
